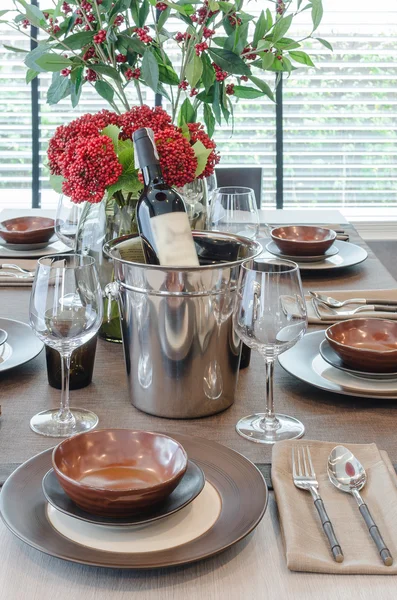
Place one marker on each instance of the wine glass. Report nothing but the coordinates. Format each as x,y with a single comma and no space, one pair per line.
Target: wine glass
65,312
270,317
67,220
233,210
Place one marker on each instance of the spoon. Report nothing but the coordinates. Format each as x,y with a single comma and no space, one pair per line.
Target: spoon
3,336
348,475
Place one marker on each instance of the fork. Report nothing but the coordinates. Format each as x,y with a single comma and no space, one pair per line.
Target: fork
17,268
304,478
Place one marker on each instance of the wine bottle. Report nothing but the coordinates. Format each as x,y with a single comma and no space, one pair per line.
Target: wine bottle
161,213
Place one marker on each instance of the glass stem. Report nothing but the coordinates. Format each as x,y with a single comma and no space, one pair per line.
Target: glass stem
270,421
64,415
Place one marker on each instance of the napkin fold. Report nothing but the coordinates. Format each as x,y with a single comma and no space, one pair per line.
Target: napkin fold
390,294
9,281
306,545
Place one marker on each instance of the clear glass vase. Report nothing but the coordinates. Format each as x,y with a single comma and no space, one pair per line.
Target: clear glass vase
195,195
98,224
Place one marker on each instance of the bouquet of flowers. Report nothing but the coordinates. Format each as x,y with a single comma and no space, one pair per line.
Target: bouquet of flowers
94,154
224,51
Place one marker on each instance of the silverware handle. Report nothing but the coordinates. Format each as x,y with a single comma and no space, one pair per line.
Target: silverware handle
376,536
380,301
329,531
384,308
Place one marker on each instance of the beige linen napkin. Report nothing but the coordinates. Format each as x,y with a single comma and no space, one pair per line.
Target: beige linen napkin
8,281
345,295
306,545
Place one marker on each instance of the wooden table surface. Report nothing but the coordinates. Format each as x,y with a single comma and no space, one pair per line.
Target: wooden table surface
254,568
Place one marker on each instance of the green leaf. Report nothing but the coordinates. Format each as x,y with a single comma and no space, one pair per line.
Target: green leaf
70,23
317,13
287,44
267,60
228,61
143,12
216,105
213,5
106,70
280,28
209,120
125,42
113,132
162,91
12,48
163,18
75,91
33,55
180,9
241,35
325,43
262,85
226,6
33,13
240,91
208,75
56,183
53,62
58,89
269,19
194,70
260,29
301,57
77,40
135,11
220,41
3,12
167,75
202,153
150,70
30,75
187,114
287,66
104,90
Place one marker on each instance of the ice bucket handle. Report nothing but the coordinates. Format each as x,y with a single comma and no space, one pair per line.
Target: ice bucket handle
112,290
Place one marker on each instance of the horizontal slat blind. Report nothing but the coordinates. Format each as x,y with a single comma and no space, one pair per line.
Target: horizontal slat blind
15,122
340,120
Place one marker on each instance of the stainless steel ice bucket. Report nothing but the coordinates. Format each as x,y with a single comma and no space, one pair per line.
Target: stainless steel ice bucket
181,352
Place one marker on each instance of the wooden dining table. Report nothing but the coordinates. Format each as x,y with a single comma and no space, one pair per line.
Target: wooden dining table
255,568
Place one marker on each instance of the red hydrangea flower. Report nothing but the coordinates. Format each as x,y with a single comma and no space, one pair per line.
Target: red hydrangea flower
86,126
143,116
177,159
90,166
197,132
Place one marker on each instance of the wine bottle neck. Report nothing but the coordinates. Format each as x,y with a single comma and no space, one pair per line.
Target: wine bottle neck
152,174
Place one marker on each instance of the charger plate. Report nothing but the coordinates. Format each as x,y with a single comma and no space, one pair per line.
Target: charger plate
21,346
231,505
304,361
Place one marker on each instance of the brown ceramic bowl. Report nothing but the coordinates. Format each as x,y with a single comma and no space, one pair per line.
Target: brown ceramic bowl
27,230
116,472
303,240
365,344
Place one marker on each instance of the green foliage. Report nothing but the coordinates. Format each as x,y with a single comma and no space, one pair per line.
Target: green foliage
245,50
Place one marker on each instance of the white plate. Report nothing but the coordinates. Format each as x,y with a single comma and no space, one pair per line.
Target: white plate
181,528
304,362
53,248
273,249
21,346
348,255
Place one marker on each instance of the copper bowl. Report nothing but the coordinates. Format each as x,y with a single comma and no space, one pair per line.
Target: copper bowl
303,240
368,345
27,230
116,472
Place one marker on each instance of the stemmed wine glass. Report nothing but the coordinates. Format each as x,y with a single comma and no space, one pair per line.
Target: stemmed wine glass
233,210
270,317
67,220
65,312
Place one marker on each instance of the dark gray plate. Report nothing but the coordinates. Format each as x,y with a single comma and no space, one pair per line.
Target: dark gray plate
273,249
21,346
332,358
188,489
241,488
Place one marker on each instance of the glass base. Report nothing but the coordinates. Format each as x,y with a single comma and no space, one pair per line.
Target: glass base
46,423
286,428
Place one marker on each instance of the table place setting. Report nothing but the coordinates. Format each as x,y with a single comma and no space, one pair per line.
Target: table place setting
323,531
